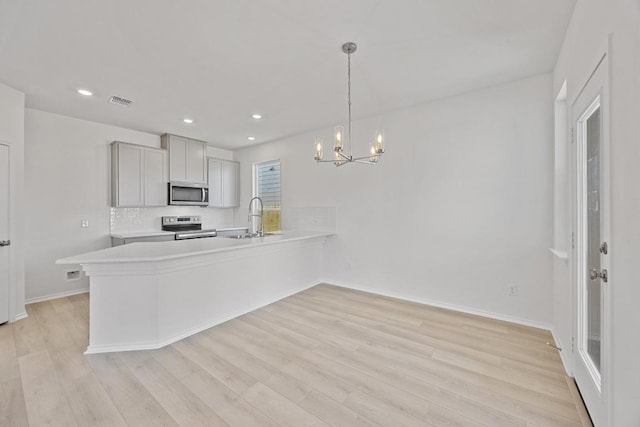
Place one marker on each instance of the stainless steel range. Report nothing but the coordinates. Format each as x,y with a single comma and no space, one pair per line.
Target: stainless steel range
186,227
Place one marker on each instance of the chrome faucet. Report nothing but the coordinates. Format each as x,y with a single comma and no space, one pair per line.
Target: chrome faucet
252,214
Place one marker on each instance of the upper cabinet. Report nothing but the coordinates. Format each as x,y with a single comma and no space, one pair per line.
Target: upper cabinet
187,158
224,183
138,175
215,183
155,177
230,183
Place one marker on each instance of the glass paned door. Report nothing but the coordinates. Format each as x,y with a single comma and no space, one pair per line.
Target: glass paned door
590,259
592,285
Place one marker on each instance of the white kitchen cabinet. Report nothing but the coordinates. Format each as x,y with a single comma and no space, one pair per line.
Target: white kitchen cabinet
224,179
187,159
127,174
156,178
230,183
138,175
196,161
215,183
177,148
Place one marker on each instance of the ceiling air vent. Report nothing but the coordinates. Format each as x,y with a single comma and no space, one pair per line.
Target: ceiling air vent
120,101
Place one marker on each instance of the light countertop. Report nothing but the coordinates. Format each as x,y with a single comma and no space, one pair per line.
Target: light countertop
142,234
134,234
231,229
159,251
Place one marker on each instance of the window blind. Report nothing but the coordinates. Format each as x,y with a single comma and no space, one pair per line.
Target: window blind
268,183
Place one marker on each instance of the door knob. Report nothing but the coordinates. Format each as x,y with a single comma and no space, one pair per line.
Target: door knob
5,242
604,248
594,275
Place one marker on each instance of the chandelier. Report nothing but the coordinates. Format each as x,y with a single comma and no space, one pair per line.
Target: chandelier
340,157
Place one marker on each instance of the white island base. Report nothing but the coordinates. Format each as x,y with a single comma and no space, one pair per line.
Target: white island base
148,295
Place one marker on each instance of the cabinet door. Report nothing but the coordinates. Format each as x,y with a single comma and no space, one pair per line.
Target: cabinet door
196,161
178,158
155,183
130,175
215,183
230,178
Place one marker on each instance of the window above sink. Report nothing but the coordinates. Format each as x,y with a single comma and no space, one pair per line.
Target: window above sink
266,185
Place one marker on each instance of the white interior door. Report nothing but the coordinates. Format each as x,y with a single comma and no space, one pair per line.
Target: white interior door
591,256
4,233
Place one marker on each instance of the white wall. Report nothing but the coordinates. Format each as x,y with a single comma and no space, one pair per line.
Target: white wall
459,206
585,40
67,178
12,133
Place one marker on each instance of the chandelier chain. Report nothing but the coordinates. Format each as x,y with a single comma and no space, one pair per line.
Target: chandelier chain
349,98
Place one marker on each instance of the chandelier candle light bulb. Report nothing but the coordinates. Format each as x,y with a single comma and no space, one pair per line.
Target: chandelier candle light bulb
318,145
373,158
379,144
337,140
340,158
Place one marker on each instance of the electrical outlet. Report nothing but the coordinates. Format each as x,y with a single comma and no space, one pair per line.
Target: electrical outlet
84,223
72,275
512,290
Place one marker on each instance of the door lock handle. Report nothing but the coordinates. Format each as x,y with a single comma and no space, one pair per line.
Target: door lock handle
5,242
604,248
594,275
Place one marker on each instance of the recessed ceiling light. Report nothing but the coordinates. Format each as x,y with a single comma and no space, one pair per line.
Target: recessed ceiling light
188,121
256,116
251,138
85,92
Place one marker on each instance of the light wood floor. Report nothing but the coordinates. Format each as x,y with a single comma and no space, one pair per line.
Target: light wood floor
326,356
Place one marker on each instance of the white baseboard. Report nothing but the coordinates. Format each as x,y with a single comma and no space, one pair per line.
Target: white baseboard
565,353
153,345
56,296
21,316
440,304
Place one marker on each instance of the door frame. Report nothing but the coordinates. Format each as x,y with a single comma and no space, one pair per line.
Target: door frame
576,222
11,293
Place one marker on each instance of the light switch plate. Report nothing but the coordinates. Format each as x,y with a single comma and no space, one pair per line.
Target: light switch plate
84,223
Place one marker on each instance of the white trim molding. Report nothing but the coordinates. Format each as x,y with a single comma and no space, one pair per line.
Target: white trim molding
20,316
56,296
560,254
448,306
565,352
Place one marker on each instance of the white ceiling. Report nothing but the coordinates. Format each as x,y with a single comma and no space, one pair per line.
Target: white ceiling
219,61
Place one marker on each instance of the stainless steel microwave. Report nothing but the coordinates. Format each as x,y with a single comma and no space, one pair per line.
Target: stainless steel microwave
188,194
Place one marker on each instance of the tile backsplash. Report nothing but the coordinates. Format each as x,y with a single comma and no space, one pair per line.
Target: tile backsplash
318,218
131,220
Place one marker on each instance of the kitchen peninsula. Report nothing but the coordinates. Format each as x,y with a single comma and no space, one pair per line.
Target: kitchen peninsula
148,295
